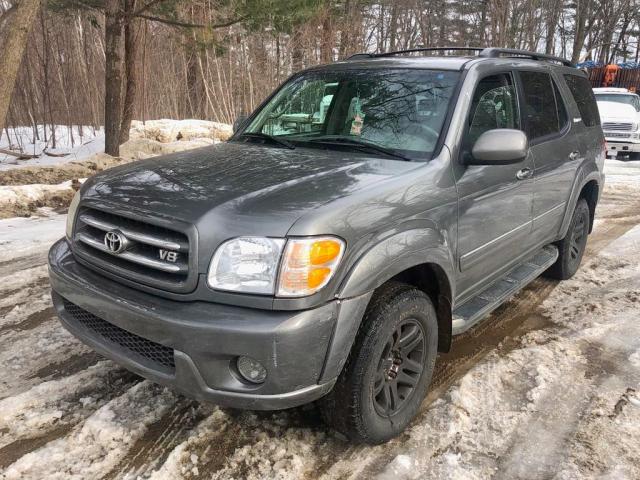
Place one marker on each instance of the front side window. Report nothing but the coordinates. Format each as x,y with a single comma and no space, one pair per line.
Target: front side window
543,106
626,99
398,110
494,105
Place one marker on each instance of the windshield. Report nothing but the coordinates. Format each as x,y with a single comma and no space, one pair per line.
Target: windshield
632,100
401,111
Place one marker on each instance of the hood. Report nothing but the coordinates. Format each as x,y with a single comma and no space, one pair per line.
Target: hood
615,111
238,187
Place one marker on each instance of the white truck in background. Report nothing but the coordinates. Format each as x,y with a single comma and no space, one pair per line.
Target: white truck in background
620,117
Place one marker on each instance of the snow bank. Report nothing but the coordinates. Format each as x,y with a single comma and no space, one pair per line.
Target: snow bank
80,143
167,130
72,144
23,199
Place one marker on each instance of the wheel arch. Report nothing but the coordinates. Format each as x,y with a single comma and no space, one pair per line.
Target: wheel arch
590,192
419,257
432,279
589,187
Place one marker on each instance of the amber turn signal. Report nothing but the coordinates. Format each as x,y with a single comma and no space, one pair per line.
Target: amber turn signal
308,265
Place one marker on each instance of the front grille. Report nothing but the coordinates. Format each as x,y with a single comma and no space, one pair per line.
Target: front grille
160,356
617,126
150,254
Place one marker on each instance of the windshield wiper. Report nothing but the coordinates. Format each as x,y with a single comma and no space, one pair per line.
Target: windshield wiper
360,145
268,137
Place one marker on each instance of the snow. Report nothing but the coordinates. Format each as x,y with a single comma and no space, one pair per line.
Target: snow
101,441
73,147
18,236
75,144
168,130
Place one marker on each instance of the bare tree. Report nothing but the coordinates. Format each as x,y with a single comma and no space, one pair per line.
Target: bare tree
13,46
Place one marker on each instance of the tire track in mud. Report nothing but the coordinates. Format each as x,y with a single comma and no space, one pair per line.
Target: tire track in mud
160,439
67,406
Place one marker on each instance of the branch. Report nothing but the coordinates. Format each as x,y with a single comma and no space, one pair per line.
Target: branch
19,156
146,7
177,23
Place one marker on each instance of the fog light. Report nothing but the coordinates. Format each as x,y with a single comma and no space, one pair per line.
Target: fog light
251,370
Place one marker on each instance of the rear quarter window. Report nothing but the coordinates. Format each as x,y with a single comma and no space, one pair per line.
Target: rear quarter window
585,99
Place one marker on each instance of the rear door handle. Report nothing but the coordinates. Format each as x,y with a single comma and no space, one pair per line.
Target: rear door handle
524,174
574,155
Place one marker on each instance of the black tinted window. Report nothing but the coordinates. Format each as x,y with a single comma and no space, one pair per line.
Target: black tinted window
494,105
585,99
544,116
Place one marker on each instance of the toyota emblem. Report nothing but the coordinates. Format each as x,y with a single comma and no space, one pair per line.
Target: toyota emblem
115,241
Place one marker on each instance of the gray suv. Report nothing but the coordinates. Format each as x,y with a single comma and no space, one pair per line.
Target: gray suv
362,216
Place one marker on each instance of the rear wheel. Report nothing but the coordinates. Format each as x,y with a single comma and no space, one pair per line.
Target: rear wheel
573,245
389,369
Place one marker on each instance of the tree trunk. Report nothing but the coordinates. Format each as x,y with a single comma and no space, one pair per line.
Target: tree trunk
113,77
326,45
13,47
130,55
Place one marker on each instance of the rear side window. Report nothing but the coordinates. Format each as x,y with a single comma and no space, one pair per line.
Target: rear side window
585,99
543,106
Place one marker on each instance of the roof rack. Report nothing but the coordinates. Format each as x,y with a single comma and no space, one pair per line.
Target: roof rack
414,50
511,52
482,52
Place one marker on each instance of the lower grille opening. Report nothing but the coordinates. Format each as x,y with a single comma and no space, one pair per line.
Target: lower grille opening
160,356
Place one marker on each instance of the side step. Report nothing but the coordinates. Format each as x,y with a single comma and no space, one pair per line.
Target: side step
476,308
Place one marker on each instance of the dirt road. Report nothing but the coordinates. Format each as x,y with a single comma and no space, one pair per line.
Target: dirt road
545,388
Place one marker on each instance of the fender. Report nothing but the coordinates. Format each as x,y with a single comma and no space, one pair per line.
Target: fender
396,254
386,259
585,175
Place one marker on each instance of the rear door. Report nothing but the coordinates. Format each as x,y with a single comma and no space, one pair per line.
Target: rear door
495,201
555,149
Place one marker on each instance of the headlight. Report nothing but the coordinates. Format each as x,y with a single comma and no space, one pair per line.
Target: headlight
250,265
71,214
308,265
246,264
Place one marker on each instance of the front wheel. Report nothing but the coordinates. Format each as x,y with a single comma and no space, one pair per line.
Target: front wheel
573,245
389,369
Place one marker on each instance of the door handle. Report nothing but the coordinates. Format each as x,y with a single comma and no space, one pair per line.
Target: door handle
524,174
574,155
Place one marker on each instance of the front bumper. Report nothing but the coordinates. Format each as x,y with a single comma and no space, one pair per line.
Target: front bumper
303,351
622,146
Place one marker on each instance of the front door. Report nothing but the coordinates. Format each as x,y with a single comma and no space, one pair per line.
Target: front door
495,202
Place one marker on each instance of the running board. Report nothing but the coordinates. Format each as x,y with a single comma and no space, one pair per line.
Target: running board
477,308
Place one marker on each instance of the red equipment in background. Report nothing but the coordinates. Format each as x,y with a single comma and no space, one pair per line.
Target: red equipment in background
615,76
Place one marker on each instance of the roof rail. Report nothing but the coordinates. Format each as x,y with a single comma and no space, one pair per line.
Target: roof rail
511,52
414,50
482,52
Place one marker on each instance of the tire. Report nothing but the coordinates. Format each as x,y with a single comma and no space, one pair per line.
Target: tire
573,245
375,364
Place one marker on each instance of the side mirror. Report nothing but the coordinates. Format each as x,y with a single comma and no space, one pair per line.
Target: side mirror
239,121
501,146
